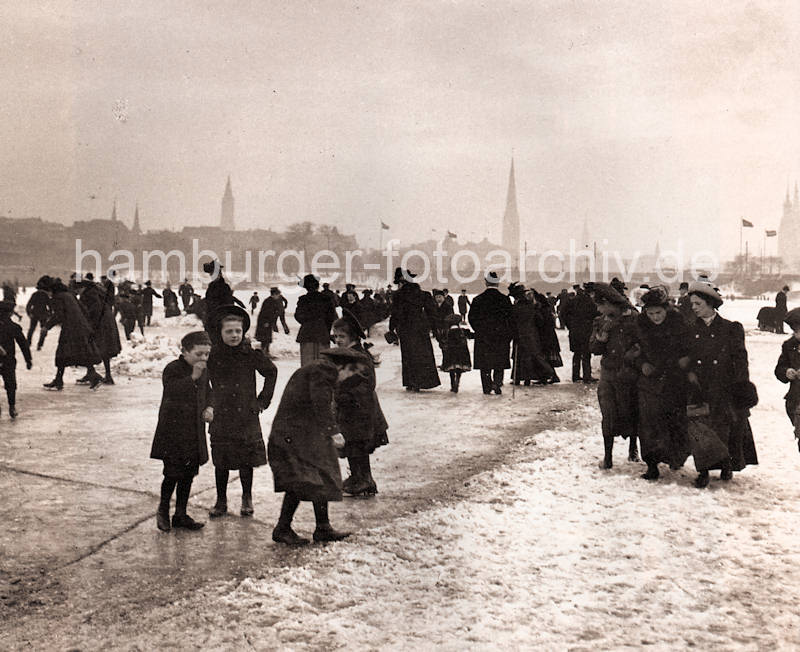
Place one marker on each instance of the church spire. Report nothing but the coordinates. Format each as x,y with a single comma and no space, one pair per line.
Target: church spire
114,211
226,215
511,217
136,228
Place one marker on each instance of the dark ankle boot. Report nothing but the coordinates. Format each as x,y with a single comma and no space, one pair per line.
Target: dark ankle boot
247,505
652,472
608,445
326,533
219,509
162,518
701,480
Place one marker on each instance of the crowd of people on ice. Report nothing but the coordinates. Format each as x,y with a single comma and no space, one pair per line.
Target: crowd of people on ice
673,374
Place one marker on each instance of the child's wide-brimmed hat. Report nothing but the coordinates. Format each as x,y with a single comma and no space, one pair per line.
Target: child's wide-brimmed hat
707,292
342,355
792,318
235,311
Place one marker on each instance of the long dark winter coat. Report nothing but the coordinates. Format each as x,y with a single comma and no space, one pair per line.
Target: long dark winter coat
105,332
528,356
358,411
790,359
577,315
412,318
551,348
491,320
180,438
302,456
719,359
75,349
315,314
11,336
267,319
455,352
616,391
236,440
662,395
218,293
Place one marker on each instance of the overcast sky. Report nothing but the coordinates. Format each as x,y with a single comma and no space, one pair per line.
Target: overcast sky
652,120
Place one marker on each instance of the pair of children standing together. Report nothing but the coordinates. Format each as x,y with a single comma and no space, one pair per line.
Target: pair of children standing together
214,381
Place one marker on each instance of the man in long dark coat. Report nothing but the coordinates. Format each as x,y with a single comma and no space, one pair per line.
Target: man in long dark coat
491,318
780,309
578,316
185,290
412,321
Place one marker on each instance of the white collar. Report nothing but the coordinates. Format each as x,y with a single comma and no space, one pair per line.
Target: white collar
708,320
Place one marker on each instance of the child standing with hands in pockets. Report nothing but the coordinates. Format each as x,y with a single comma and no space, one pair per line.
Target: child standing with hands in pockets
180,438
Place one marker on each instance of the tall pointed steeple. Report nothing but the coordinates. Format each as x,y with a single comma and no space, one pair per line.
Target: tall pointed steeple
511,217
136,228
114,211
226,216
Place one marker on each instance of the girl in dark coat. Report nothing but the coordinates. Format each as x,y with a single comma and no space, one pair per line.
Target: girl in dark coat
718,369
303,441
412,320
663,347
315,314
75,347
455,352
358,411
105,333
547,333
236,441
613,337
529,361
180,438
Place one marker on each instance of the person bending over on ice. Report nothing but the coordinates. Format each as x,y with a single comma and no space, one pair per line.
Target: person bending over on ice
303,441
788,370
358,411
180,438
236,441
11,335
613,336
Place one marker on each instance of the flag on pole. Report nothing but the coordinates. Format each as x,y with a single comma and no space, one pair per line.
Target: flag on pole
385,227
747,224
450,234
771,234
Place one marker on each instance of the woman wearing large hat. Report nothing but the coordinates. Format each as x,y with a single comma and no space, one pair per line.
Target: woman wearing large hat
719,376
412,320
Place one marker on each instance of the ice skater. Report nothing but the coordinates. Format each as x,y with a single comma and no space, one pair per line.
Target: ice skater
11,336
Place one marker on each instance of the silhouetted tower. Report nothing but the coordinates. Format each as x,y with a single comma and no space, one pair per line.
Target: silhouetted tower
511,218
226,216
114,212
136,229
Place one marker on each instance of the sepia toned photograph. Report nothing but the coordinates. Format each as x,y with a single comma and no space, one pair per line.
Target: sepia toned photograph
413,325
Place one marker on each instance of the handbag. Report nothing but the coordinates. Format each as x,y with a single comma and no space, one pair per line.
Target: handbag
707,448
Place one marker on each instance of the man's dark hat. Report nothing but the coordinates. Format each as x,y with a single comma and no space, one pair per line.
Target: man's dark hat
234,310
401,274
326,285
274,290
342,354
437,292
208,268
309,282
367,292
516,289
147,283
44,283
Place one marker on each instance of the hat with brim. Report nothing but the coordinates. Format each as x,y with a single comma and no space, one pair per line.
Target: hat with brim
516,290
342,355
309,282
233,311
707,292
401,274
604,292
209,268
44,283
792,318
491,278
353,323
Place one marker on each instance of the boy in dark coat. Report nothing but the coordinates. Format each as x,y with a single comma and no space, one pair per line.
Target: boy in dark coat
180,438
236,441
10,336
788,370
303,442
358,411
